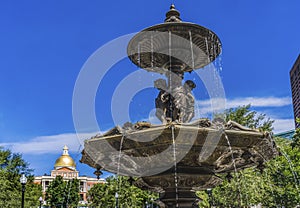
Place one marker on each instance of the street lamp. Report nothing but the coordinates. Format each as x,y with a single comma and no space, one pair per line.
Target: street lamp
41,201
117,199
23,181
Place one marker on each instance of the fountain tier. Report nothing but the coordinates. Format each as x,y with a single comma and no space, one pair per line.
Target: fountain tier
161,46
201,152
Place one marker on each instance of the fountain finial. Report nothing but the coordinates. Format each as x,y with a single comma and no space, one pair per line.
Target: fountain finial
173,15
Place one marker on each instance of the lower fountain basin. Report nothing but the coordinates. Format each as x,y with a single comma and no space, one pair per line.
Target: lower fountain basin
193,153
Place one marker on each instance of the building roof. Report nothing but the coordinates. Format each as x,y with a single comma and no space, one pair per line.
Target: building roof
65,160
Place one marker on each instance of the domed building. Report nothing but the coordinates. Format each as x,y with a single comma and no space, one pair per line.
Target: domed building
65,166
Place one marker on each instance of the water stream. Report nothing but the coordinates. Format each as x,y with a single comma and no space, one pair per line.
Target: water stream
291,166
139,54
192,51
235,169
175,165
152,50
119,179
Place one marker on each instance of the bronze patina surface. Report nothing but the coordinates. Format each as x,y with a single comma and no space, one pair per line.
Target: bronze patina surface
149,49
196,165
177,157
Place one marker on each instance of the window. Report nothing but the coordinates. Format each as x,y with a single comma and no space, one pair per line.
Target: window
81,197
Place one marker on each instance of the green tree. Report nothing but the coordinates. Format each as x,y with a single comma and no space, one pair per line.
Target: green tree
284,172
72,196
246,187
11,167
249,118
277,185
103,195
62,193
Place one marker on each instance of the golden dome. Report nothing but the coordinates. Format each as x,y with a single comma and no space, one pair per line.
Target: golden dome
65,160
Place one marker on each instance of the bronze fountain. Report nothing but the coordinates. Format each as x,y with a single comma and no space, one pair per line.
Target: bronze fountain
181,155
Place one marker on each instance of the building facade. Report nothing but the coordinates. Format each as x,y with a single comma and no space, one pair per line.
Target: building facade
295,85
66,167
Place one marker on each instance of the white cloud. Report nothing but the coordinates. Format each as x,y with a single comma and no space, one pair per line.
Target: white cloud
260,101
49,144
282,125
270,103
205,106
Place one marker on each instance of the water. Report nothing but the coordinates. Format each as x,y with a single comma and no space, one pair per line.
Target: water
207,50
139,54
192,51
175,166
234,165
170,49
152,51
220,62
291,166
119,179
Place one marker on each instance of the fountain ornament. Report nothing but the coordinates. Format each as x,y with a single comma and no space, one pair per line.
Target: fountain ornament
181,155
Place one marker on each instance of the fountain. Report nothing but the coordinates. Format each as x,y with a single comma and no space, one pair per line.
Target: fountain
181,155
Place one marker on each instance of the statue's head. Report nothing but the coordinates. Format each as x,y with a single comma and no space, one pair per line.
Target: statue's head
160,84
190,84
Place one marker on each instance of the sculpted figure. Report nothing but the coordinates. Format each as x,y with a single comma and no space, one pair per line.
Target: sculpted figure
177,101
189,108
161,101
184,102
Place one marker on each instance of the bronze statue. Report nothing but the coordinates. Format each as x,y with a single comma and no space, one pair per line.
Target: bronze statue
161,101
178,105
189,108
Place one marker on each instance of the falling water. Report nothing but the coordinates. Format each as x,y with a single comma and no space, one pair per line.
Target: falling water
119,182
139,54
213,46
291,166
151,51
192,51
175,165
170,49
220,62
170,75
207,50
234,165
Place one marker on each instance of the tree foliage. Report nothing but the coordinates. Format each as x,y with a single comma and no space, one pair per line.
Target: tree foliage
103,195
249,118
11,167
277,185
62,193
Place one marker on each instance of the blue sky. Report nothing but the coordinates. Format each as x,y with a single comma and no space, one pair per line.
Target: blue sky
44,44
